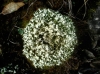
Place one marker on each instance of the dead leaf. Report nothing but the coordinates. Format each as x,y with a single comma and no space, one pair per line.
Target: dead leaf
11,7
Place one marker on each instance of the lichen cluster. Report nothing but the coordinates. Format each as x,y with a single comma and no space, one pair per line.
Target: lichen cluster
10,69
49,38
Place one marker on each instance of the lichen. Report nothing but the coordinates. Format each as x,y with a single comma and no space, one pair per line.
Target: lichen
9,69
49,38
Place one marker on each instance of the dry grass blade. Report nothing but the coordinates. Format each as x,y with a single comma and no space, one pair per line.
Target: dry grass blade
70,7
28,8
85,3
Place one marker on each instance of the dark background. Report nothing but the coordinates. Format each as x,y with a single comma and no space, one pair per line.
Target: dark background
86,57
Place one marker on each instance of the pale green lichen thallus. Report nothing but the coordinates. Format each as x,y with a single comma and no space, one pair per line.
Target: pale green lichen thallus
49,38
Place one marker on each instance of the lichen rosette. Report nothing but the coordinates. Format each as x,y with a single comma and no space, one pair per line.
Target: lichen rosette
49,38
